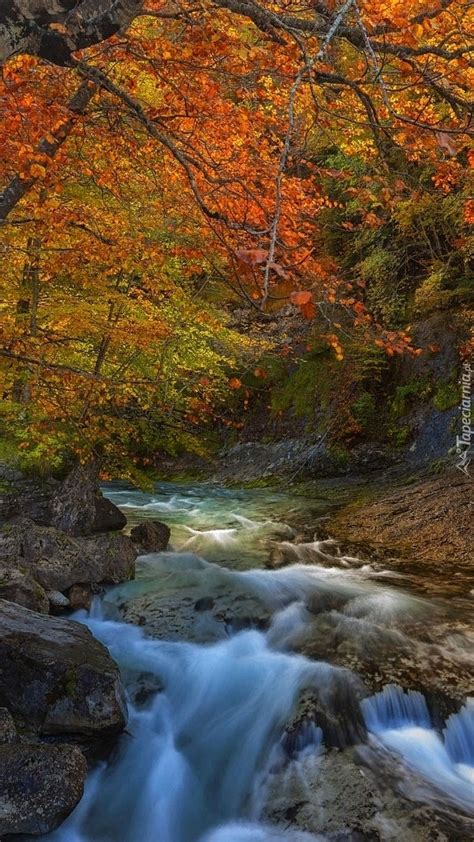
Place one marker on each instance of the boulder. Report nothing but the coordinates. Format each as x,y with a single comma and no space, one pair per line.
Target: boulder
55,678
23,589
57,602
39,786
24,495
152,536
80,597
115,555
75,505
107,516
78,508
57,561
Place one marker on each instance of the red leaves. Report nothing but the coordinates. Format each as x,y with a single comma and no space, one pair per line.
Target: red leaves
251,257
301,298
254,257
469,211
305,301
396,342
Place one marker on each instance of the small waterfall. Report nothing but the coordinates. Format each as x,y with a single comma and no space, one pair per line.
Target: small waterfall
459,735
193,754
393,708
445,761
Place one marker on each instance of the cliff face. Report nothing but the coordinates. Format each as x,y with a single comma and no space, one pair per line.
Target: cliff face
313,416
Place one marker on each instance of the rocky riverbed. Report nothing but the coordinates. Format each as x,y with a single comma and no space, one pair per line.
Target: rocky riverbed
263,662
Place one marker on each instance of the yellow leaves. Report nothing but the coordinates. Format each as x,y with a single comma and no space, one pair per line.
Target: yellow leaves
335,343
37,171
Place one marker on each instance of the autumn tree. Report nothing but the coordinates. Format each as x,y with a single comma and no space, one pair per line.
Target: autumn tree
154,155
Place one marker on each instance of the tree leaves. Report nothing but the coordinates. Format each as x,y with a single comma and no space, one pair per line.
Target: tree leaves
305,301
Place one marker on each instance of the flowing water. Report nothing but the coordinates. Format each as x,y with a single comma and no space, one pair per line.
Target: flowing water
214,652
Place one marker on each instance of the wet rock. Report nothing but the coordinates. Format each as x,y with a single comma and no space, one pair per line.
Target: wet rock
206,603
175,617
80,596
315,552
55,678
335,710
449,817
8,732
144,686
151,536
39,786
332,795
424,526
434,659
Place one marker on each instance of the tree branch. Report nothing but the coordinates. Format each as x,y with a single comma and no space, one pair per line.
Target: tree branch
18,187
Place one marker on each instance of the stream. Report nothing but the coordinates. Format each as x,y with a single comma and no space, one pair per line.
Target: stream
216,650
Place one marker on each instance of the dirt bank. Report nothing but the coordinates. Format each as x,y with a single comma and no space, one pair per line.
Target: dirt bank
425,526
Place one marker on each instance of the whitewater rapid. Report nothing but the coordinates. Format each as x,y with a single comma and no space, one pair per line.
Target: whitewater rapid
196,757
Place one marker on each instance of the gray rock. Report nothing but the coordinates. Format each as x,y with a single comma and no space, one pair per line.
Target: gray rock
27,496
80,596
39,786
75,506
56,678
151,536
107,516
78,507
332,795
335,709
57,561
196,616
8,732
20,587
57,601
115,555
